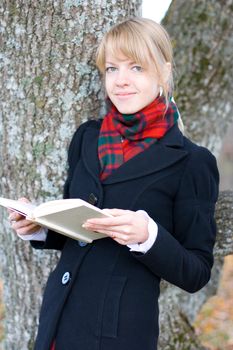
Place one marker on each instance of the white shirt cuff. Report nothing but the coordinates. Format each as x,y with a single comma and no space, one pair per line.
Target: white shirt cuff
153,232
39,235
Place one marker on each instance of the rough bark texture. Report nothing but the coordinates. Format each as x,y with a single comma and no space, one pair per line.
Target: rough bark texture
48,85
224,219
201,31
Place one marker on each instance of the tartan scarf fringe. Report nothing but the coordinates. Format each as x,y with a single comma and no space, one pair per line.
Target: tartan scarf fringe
123,136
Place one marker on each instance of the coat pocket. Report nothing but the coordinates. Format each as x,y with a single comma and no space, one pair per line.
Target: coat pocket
112,306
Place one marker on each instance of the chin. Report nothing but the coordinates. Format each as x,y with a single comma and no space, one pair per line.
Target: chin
127,110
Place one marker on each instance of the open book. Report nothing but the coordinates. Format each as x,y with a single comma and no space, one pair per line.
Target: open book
64,216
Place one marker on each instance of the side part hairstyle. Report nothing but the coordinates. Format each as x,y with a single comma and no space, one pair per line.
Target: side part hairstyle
145,42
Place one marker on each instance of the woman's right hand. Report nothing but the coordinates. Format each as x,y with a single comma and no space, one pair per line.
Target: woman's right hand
20,225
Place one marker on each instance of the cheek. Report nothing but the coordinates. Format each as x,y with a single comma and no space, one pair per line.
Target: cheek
150,85
154,88
108,85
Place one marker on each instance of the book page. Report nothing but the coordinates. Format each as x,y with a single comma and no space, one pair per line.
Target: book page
25,209
61,205
69,223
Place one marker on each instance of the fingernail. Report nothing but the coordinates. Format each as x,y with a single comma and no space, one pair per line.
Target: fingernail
88,222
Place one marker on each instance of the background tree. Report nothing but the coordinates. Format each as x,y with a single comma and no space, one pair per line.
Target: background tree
49,85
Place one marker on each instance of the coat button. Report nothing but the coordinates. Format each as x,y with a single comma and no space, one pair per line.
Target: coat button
82,244
92,199
66,278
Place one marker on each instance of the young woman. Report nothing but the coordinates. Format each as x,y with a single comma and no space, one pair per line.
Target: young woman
161,190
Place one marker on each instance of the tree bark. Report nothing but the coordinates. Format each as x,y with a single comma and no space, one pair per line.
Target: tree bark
201,31
49,85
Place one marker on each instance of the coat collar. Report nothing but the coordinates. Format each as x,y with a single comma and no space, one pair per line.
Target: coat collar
160,155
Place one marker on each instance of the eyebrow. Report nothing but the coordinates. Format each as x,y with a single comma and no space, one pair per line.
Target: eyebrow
107,62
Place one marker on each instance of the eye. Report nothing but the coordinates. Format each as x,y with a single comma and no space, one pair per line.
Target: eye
110,69
137,68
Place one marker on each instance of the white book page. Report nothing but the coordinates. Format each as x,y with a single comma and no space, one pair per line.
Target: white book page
62,205
69,223
20,207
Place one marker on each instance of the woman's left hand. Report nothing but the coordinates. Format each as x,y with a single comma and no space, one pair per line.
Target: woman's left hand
125,226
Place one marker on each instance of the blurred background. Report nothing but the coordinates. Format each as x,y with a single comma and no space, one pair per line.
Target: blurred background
214,324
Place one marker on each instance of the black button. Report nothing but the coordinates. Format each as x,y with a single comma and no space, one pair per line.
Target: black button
92,199
66,278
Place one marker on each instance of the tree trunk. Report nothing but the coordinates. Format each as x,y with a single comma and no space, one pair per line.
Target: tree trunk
201,31
49,85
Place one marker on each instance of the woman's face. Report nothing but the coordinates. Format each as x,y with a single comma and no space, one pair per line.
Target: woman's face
129,86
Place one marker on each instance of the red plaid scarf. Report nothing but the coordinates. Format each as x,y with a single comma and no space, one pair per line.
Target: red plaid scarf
123,136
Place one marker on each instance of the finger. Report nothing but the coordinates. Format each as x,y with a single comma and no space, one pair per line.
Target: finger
111,221
124,229
14,216
133,226
120,241
124,239
28,230
21,223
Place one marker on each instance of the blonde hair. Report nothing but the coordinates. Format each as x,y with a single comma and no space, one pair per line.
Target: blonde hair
144,41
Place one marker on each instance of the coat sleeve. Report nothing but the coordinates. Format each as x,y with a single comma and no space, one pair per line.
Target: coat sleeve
55,240
185,257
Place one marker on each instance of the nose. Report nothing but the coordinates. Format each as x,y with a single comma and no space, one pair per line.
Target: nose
122,78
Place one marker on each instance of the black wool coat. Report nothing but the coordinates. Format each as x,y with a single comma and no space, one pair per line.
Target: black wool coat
101,296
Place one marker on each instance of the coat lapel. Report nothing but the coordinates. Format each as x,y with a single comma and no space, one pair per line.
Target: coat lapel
90,151
160,155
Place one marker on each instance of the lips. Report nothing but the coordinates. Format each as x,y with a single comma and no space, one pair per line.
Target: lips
124,95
